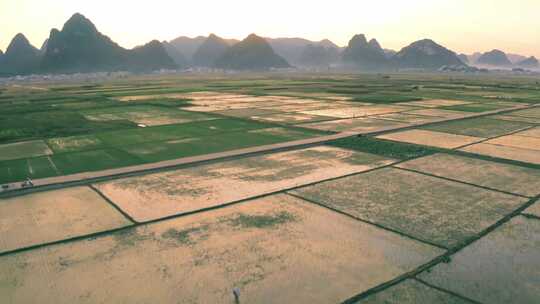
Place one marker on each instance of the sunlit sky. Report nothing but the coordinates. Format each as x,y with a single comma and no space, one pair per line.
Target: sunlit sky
461,25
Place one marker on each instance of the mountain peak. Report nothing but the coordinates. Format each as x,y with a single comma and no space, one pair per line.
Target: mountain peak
428,47
20,37
20,44
375,44
20,57
214,37
327,43
426,54
494,57
252,53
80,47
79,23
209,51
254,37
358,40
362,54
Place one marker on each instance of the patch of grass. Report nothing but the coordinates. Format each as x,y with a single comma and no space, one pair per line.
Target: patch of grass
20,169
213,143
23,150
194,129
95,160
184,236
53,124
395,150
74,143
129,237
262,221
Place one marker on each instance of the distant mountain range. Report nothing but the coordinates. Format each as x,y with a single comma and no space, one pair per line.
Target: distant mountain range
499,59
80,47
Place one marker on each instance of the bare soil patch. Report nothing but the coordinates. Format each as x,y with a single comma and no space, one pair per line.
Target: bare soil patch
431,138
54,215
534,132
517,141
351,112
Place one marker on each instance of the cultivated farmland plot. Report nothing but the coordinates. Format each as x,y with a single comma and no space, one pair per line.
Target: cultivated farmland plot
53,216
435,210
164,194
300,203
258,246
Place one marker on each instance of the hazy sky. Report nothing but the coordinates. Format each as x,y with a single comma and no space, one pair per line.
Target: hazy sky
462,25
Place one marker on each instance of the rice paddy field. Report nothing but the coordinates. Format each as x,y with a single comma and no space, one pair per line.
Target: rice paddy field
274,188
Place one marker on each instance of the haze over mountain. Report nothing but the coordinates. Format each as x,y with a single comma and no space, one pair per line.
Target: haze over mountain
150,57
294,49
319,55
464,58
176,55
499,59
426,54
389,53
529,63
209,51
494,58
187,46
515,58
252,53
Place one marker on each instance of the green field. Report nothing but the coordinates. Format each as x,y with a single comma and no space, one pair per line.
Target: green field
70,128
